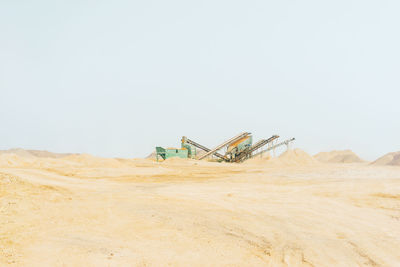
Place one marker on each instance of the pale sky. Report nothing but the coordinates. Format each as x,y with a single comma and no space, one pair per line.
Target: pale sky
117,78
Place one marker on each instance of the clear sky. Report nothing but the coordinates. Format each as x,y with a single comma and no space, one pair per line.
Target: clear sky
116,78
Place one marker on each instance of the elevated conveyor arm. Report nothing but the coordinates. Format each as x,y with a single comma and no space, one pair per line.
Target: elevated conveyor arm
193,143
226,143
262,143
286,142
247,154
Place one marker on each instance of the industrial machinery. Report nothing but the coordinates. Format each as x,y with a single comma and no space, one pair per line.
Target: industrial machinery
237,149
186,151
165,153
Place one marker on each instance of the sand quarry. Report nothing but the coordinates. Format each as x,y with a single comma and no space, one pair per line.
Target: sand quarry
294,210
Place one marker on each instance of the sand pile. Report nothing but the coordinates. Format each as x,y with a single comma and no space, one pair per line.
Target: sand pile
259,159
137,162
392,158
338,156
296,157
176,159
152,155
11,160
47,154
19,152
94,162
179,161
34,153
20,158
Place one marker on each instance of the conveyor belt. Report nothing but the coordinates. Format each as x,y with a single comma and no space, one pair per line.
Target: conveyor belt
247,154
286,142
193,143
226,143
262,143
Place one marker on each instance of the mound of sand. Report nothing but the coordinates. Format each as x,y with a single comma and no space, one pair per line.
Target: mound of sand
176,159
152,155
182,161
48,154
34,153
296,157
338,156
19,152
392,158
94,162
12,160
20,158
259,159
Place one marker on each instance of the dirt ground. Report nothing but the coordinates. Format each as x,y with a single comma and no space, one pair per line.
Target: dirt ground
82,212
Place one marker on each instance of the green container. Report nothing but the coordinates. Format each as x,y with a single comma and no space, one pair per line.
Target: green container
171,152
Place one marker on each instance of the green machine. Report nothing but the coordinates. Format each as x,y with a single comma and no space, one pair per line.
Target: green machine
186,151
166,153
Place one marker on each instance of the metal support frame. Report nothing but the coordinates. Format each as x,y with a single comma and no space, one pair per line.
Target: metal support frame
286,142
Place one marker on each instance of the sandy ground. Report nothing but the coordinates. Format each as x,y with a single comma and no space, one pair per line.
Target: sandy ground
189,213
